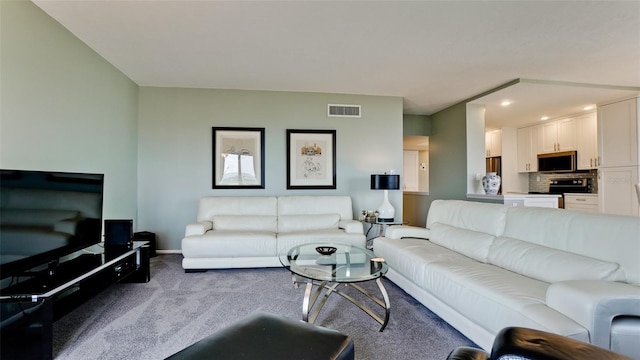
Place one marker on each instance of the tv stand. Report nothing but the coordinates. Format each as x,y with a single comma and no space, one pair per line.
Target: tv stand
29,308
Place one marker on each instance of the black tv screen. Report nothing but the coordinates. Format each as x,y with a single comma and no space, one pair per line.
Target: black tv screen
46,215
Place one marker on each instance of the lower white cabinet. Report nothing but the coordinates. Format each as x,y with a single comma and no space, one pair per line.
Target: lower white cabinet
529,200
581,202
541,202
616,190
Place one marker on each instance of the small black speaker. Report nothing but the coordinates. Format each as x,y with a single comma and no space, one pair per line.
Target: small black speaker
118,233
149,237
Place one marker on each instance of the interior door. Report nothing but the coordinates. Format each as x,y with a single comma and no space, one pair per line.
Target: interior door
411,163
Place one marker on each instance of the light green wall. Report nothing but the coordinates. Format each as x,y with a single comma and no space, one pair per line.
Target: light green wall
447,161
447,155
65,108
416,125
415,205
174,168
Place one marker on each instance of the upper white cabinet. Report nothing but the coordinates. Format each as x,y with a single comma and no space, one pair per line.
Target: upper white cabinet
587,141
618,125
618,166
559,135
493,143
528,149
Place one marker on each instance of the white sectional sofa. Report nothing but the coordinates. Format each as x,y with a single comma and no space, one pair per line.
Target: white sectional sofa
483,267
240,232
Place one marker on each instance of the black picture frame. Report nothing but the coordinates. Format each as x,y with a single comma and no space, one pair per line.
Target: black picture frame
235,149
311,159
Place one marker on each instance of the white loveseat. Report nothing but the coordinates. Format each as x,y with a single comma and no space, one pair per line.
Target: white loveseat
241,232
483,267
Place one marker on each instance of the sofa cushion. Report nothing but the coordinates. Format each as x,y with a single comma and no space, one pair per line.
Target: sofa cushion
211,206
315,205
230,243
467,242
607,237
411,257
289,223
549,265
494,297
245,222
469,215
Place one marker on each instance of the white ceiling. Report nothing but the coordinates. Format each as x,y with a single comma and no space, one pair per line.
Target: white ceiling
433,54
530,100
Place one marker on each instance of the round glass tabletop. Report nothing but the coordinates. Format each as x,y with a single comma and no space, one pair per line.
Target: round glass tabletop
333,262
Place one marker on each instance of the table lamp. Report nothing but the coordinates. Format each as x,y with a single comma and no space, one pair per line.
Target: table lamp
385,182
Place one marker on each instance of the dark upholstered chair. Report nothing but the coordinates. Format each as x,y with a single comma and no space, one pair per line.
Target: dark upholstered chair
266,336
515,343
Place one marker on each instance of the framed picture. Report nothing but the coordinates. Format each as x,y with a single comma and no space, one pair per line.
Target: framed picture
238,158
311,159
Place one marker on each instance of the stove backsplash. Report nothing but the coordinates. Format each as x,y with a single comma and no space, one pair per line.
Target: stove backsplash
543,184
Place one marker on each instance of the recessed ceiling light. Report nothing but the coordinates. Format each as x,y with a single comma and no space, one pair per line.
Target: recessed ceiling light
588,107
544,118
505,103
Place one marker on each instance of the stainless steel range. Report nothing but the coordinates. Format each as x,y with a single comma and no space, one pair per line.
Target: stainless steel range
562,186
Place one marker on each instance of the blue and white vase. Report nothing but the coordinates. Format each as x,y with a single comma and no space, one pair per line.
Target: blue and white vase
491,183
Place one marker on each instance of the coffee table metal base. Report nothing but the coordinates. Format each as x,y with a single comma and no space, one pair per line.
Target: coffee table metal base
311,297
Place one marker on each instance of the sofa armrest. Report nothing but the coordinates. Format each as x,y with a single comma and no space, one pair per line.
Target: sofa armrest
402,231
198,228
594,303
351,226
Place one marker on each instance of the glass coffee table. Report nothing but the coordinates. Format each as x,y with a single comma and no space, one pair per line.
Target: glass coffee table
327,266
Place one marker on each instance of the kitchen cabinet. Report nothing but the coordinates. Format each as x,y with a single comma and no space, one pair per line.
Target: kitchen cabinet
581,202
519,199
618,125
616,191
618,157
528,149
493,143
559,135
541,202
587,141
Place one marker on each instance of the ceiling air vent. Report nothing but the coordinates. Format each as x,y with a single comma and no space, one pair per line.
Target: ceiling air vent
335,110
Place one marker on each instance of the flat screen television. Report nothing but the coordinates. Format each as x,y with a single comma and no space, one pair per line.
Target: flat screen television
45,215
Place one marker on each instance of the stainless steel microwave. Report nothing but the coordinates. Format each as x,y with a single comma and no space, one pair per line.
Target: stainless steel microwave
565,161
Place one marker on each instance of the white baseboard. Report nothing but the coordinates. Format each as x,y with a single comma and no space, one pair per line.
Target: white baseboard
169,251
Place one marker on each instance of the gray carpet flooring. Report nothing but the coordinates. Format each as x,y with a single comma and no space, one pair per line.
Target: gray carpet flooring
154,320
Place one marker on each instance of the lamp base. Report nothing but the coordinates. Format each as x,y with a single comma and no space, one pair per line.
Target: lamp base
386,212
